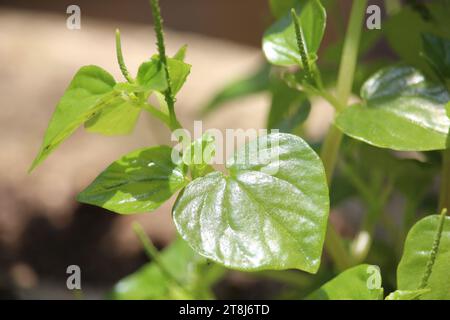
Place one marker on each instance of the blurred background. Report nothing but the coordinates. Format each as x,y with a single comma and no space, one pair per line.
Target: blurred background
42,228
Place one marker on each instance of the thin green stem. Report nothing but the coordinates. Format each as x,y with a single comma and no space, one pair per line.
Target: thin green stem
154,256
120,60
158,24
434,251
444,197
330,149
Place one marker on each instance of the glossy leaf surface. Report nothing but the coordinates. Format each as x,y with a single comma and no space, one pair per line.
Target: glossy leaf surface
269,213
139,182
401,110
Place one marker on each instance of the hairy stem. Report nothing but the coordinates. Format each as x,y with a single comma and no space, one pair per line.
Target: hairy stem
444,197
330,149
120,60
158,24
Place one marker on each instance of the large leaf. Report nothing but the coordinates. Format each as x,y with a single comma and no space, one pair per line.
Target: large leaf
362,282
190,270
417,253
139,182
91,90
401,110
119,118
280,41
269,213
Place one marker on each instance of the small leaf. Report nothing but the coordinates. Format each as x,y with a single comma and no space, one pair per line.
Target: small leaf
181,53
151,76
150,283
139,182
270,213
90,91
362,282
280,41
401,110
417,253
406,294
199,155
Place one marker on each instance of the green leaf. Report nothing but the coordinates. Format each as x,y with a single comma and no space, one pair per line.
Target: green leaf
289,108
181,53
119,118
252,84
417,253
403,31
437,53
90,90
199,155
280,7
280,41
270,212
401,110
362,282
139,182
151,76
406,294
150,283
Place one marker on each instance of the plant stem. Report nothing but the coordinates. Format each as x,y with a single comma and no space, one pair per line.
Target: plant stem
158,22
444,197
120,60
154,256
329,153
301,45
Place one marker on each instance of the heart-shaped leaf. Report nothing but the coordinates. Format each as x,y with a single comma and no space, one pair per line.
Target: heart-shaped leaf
401,110
362,282
270,213
280,41
416,256
91,90
139,182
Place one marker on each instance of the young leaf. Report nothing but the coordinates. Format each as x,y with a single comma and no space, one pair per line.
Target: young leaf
151,75
406,294
269,213
362,282
280,41
401,110
150,283
416,256
91,90
139,182
199,155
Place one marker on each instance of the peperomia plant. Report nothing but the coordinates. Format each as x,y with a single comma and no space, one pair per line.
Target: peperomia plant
270,209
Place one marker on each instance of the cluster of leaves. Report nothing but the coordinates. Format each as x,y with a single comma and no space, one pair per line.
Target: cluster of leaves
249,219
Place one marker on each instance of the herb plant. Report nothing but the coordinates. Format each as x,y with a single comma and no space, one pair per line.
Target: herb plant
254,220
